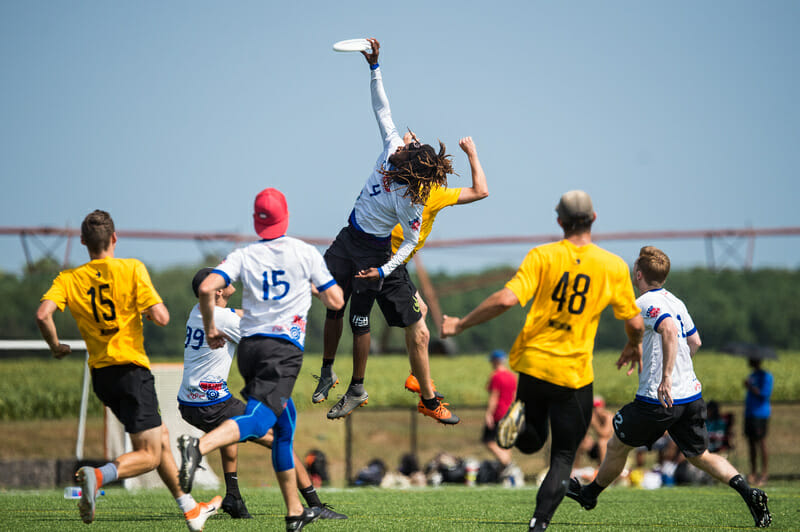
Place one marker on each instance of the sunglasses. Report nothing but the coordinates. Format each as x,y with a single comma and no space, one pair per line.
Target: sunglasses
413,145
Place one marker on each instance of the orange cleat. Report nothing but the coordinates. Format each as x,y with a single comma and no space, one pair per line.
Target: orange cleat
412,385
197,516
440,414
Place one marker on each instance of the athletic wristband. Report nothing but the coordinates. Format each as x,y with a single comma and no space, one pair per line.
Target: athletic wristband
373,67
380,273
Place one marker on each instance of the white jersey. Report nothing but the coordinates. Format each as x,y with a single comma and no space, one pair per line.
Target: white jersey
657,305
205,370
276,276
380,208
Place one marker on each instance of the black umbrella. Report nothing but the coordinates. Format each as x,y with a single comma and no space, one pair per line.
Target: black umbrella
750,351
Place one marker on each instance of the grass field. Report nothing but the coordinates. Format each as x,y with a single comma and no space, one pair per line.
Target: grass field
418,509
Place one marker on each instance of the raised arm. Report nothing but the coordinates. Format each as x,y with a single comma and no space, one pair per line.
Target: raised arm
479,189
380,103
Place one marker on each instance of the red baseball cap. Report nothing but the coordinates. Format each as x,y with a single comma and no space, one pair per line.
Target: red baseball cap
270,214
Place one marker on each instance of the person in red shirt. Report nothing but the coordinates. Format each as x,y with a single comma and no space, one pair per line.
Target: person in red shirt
502,390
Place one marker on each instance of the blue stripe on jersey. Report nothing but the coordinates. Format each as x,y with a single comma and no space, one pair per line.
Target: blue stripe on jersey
281,336
682,401
694,330
224,276
659,320
352,221
205,403
326,285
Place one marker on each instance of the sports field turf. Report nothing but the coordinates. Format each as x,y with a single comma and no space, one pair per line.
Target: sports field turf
420,509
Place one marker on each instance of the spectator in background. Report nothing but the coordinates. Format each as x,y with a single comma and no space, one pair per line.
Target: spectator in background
756,418
502,389
719,427
600,430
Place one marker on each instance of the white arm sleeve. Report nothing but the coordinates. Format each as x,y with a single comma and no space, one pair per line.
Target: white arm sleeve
380,105
410,241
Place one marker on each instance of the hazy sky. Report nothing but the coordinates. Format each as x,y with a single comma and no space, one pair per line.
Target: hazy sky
173,115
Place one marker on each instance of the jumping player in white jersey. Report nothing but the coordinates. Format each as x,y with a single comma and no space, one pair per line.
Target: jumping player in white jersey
361,258
276,274
669,395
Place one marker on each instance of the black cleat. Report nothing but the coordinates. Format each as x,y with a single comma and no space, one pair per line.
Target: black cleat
309,515
190,460
575,492
757,503
235,507
328,513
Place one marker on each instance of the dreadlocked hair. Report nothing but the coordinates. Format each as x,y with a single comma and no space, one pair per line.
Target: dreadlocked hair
423,169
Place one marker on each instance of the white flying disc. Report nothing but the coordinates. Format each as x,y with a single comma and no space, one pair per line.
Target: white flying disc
353,45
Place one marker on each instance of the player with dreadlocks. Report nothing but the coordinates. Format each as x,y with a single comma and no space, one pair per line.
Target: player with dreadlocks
361,259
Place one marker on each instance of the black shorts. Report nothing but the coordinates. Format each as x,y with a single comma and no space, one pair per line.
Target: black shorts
351,252
398,299
489,434
270,367
755,428
130,392
207,418
639,423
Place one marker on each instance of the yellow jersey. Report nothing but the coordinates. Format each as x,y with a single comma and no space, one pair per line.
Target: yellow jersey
570,286
439,198
107,297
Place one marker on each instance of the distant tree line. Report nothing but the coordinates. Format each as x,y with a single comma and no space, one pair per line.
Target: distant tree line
757,306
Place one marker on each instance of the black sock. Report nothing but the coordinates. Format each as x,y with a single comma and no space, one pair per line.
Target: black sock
310,495
592,490
355,381
740,484
232,485
327,362
431,404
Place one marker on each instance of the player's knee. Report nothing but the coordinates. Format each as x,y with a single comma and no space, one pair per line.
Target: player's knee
419,333
255,423
334,314
359,324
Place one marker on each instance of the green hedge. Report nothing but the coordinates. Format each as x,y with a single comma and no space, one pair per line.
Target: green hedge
51,389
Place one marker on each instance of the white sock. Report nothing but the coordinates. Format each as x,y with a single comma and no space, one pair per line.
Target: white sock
186,502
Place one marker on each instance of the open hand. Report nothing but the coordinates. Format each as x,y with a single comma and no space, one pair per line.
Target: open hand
370,274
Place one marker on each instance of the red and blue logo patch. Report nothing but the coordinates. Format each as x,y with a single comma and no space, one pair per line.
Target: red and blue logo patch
652,312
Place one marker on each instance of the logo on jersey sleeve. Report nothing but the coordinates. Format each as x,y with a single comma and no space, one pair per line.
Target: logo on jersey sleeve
414,224
652,312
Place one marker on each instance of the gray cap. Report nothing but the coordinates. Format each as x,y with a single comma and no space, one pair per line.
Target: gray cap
575,205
